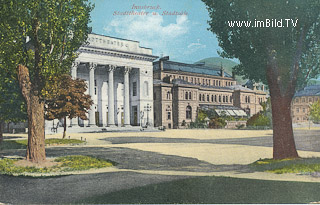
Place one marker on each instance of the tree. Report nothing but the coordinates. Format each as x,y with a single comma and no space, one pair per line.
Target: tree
39,39
315,112
66,97
282,57
12,104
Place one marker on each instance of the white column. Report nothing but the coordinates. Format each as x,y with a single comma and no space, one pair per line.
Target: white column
92,120
74,121
126,97
111,97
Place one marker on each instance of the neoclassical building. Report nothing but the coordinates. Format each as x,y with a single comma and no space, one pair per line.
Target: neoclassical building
119,74
181,89
301,102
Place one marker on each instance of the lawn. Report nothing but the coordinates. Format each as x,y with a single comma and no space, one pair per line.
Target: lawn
298,166
62,164
209,190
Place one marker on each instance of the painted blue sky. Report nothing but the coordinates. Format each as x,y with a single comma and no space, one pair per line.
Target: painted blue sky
184,38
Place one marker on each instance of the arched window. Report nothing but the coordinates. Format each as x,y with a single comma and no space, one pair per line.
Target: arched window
224,98
215,98
231,99
199,97
211,98
203,99
168,95
227,99
189,112
246,99
189,95
219,98
208,98
186,96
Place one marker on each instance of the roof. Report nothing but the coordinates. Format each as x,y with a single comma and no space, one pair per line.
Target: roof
193,68
225,110
312,90
239,87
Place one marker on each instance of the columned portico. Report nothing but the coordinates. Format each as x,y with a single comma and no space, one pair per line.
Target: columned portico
126,97
74,121
92,67
118,73
111,96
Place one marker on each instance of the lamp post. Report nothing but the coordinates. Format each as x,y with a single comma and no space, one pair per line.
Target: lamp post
141,117
147,108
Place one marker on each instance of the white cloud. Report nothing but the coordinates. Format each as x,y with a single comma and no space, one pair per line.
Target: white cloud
150,30
193,47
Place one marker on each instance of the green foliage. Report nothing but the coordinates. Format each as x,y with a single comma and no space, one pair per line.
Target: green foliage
259,119
257,47
22,144
315,112
217,123
43,35
67,164
12,104
201,116
79,163
307,165
239,127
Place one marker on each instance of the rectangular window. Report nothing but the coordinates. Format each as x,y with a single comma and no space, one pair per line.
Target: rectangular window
169,116
134,89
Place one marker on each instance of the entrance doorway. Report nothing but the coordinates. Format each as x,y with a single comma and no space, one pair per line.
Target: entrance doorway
97,118
135,115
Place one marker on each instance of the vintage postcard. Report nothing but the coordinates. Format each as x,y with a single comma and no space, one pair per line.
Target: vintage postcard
159,101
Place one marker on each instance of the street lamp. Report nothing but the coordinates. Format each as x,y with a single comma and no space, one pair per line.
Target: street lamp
141,117
147,108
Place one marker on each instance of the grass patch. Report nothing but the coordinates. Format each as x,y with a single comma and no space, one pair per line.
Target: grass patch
213,190
300,165
22,144
66,164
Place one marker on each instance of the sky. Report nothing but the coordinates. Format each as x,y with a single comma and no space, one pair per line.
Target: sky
184,38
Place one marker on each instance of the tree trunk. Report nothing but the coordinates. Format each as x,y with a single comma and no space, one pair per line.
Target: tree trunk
64,127
35,109
1,132
283,139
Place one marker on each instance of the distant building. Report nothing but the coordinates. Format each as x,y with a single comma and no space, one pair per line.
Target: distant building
301,103
181,89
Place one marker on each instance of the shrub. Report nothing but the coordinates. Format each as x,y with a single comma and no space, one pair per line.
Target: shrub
259,119
217,123
240,126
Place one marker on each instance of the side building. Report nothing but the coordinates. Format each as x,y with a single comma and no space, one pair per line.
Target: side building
301,102
181,89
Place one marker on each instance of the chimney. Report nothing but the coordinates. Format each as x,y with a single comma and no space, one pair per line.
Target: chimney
233,75
222,70
166,58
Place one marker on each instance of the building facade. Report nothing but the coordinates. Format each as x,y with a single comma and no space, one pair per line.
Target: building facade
119,76
180,90
301,102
